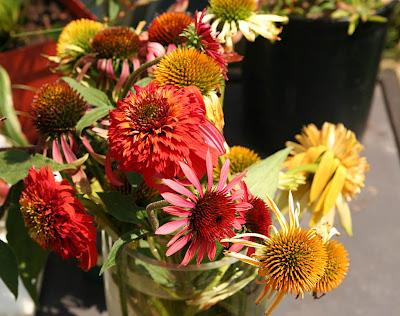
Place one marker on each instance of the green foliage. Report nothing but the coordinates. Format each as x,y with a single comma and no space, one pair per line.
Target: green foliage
9,13
116,250
12,127
30,256
262,178
120,206
9,268
353,11
94,97
15,164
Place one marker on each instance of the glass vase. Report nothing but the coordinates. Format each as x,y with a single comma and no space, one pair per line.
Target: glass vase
142,286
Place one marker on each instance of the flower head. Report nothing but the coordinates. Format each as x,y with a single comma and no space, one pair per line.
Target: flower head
56,219
200,36
167,27
231,16
56,108
155,128
241,158
290,260
75,39
336,269
120,42
339,168
186,67
204,217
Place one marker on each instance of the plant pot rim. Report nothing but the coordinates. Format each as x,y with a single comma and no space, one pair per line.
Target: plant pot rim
326,21
177,267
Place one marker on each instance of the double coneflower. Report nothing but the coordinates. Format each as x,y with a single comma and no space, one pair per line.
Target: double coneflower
158,126
56,219
330,159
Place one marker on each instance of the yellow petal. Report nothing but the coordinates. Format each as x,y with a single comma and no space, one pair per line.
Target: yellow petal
335,188
344,214
324,172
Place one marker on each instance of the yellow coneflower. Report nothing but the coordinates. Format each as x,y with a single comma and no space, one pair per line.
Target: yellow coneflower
56,108
292,260
167,27
76,37
187,66
214,110
232,16
330,157
120,42
336,269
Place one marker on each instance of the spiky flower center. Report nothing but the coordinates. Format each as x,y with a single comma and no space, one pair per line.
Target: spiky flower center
241,158
118,42
293,261
213,216
336,269
233,10
39,224
57,108
149,112
167,27
186,67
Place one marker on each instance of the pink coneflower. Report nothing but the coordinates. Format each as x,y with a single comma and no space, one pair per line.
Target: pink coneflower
206,216
200,36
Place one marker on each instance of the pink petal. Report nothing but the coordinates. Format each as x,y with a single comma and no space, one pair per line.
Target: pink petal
191,176
175,211
56,153
178,245
223,176
234,181
124,75
190,252
171,226
212,250
213,137
209,165
68,153
236,247
178,235
201,253
179,188
176,200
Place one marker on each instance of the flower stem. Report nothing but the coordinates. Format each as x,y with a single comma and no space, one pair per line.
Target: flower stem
150,209
306,168
135,75
121,277
38,32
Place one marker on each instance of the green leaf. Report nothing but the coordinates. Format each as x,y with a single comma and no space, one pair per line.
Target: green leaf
30,256
91,95
91,117
120,206
15,164
12,127
113,9
116,249
9,268
262,178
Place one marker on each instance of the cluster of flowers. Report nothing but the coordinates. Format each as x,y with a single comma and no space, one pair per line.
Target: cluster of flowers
169,131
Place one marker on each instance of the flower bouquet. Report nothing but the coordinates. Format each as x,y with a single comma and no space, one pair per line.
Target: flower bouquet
131,145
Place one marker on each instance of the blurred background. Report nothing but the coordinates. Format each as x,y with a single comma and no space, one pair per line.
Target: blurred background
316,73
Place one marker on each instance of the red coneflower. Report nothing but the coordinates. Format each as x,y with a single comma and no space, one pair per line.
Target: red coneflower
167,27
56,219
152,130
206,216
200,36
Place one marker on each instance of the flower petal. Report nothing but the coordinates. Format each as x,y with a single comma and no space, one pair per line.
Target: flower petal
191,176
171,226
178,245
179,188
177,200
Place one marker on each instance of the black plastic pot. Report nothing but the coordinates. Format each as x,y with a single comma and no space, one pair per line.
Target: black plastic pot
316,73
